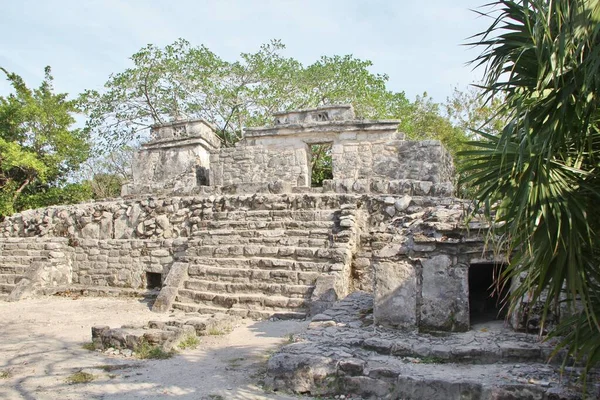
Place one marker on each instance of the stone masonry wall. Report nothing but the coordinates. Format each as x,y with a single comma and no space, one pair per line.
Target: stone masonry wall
123,263
412,252
393,160
256,164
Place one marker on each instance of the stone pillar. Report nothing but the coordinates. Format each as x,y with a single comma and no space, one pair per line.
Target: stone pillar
395,302
444,295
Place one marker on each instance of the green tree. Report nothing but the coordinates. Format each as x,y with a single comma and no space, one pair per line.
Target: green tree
192,82
538,178
38,147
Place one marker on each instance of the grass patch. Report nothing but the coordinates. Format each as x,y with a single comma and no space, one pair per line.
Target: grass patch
89,346
190,342
146,351
215,332
216,397
5,373
110,368
80,377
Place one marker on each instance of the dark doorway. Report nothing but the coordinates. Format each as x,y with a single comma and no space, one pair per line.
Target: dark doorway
153,280
321,163
486,297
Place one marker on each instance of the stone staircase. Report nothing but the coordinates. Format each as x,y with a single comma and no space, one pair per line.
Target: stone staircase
263,263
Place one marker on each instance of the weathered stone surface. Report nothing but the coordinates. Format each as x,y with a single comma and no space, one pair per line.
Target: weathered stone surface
445,299
341,347
395,294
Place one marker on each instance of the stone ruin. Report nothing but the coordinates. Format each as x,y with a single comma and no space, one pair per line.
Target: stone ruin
243,231
240,229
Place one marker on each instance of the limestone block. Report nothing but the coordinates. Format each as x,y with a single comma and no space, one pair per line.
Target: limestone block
445,295
395,302
90,231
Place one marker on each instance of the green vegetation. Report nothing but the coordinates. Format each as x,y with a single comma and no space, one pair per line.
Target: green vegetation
181,80
190,342
147,351
5,373
45,161
116,367
39,149
89,346
80,377
213,331
537,178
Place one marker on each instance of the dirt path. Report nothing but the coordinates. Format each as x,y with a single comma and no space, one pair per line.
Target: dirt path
41,346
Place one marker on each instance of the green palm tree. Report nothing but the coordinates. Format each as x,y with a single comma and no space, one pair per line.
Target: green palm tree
538,180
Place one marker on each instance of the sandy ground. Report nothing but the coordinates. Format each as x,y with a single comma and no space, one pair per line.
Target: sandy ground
41,346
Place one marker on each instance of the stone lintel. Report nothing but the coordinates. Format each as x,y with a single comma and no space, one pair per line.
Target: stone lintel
179,142
324,127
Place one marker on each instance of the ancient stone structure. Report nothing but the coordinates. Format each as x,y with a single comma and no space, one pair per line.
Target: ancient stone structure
177,157
240,230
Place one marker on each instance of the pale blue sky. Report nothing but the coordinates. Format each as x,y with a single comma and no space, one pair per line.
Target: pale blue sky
417,43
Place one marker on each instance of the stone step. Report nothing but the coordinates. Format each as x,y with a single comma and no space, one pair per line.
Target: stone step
249,252
384,377
198,266
11,279
97,291
265,288
209,224
240,312
273,215
11,269
282,240
17,254
243,301
6,288
252,275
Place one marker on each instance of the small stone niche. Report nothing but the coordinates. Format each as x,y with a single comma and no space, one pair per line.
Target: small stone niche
153,280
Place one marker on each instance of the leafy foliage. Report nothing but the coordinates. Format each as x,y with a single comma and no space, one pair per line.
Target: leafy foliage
192,82
38,148
538,178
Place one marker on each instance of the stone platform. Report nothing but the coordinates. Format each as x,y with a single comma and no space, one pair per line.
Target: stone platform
343,352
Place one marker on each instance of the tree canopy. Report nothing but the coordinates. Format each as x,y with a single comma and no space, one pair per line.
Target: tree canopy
38,146
538,178
180,80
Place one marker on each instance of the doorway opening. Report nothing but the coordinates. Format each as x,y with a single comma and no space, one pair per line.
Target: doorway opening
487,297
321,163
153,280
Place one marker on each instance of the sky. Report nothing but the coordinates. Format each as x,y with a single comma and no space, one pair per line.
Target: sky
418,44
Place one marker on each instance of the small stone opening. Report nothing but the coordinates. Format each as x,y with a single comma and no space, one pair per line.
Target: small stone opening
202,176
486,297
320,163
153,280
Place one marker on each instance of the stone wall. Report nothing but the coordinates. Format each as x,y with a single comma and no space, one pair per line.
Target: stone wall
392,161
123,263
257,164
